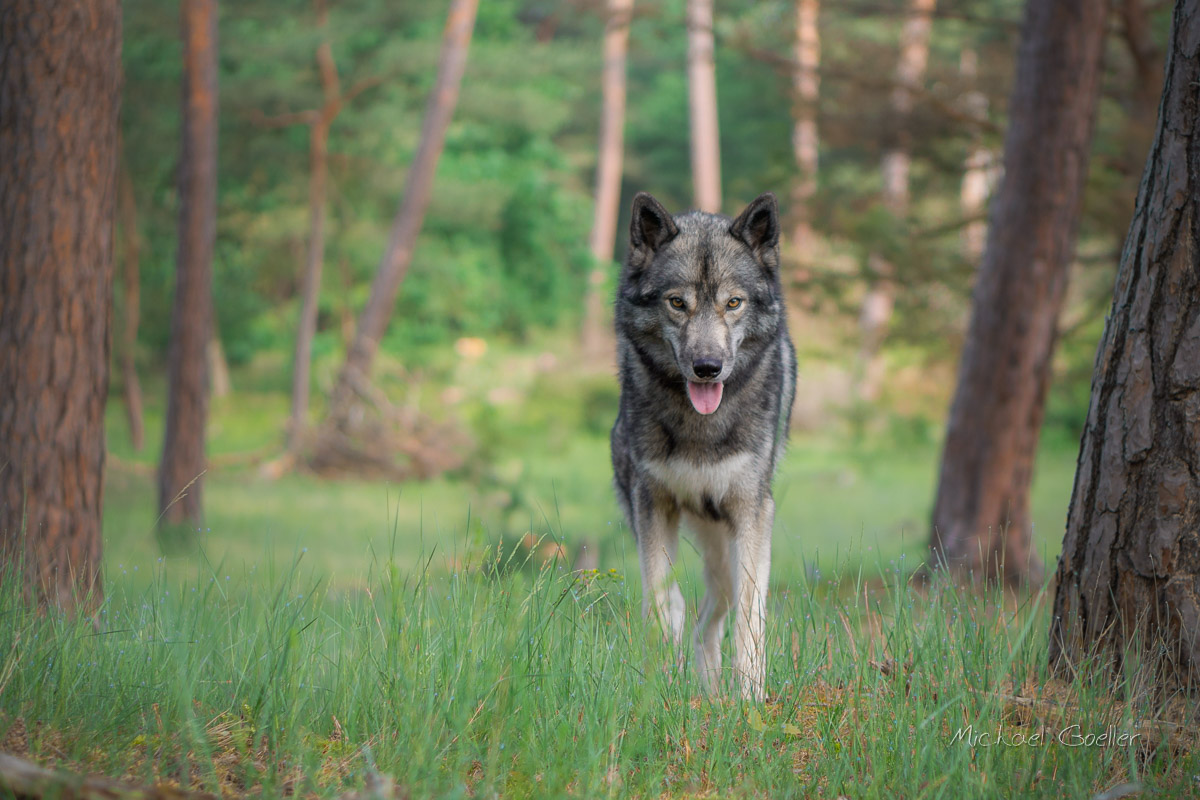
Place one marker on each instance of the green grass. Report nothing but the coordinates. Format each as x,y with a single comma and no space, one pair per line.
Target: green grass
544,684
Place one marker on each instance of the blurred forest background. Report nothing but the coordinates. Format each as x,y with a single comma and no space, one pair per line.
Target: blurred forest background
483,361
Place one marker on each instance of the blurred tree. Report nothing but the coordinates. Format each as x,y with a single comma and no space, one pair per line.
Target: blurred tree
877,305
977,168
1128,576
702,105
806,84
596,341
181,470
60,91
981,517
354,379
131,387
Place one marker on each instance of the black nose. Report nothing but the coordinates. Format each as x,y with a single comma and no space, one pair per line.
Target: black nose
707,367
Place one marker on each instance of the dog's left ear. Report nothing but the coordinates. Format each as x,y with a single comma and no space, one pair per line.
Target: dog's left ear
758,227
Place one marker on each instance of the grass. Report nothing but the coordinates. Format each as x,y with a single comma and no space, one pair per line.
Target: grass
331,631
543,684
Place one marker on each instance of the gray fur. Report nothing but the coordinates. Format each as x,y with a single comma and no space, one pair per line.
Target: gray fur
714,470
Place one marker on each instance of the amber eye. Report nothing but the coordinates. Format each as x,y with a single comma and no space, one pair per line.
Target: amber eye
676,302
734,302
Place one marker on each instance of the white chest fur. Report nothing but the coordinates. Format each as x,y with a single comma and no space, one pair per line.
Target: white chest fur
694,482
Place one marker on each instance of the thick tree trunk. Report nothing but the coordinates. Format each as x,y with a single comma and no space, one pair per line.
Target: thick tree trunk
981,519
597,343
876,313
372,323
806,84
60,87
180,478
1129,576
702,105
310,286
131,386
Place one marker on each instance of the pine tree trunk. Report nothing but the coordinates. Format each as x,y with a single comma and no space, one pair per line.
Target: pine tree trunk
806,84
131,386
60,86
180,479
981,519
1129,576
975,188
702,105
877,305
310,286
597,343
372,323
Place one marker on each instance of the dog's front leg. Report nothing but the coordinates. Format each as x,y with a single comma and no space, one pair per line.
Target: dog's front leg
752,546
656,524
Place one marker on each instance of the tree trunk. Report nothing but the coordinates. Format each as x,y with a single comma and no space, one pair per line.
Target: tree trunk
877,305
976,184
218,365
981,517
60,88
374,318
597,343
1129,576
702,105
131,387
806,84
310,287
180,479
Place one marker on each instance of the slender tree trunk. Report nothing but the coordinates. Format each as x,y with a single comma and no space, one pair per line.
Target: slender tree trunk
596,339
973,194
180,478
702,105
1130,570
806,84
318,158
981,519
374,318
60,89
131,387
218,365
876,313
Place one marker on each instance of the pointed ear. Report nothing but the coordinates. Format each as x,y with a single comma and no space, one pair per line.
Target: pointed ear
651,226
758,227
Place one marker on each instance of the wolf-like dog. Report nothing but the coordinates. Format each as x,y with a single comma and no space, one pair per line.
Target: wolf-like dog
707,373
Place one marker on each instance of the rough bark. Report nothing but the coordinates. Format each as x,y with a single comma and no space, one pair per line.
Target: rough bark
180,478
876,312
1129,575
981,519
806,85
596,340
131,246
702,107
60,83
372,323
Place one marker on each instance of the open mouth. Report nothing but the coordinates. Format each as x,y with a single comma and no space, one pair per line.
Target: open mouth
705,397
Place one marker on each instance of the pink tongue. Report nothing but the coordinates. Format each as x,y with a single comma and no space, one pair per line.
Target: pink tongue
705,396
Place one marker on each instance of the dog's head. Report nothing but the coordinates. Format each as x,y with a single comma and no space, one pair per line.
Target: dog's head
703,285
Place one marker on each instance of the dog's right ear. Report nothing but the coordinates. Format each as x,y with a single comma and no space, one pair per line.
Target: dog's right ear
651,226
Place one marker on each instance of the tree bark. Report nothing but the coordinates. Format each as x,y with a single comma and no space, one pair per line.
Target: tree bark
876,313
131,386
702,107
60,87
596,341
806,84
1129,576
180,479
981,519
372,323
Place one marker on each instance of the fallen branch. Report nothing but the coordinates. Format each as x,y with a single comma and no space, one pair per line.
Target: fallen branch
24,779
